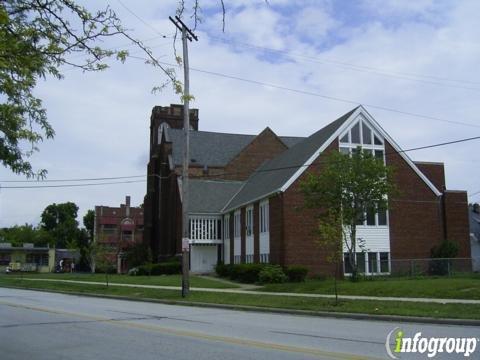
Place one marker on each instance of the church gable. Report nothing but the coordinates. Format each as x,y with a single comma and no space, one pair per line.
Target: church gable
263,147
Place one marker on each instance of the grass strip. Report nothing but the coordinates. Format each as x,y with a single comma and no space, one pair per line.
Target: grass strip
467,287
160,280
450,311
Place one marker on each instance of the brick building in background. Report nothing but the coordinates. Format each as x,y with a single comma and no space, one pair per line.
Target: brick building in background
246,205
117,228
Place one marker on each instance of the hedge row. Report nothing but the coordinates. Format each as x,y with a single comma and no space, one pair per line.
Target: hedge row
166,268
261,273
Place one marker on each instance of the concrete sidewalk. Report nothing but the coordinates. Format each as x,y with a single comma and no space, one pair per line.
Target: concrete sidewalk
250,292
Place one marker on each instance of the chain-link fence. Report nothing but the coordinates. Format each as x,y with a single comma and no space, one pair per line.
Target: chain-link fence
433,267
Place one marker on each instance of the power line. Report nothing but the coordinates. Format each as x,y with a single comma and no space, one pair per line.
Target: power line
327,97
70,185
69,180
356,67
298,166
474,194
140,19
343,64
216,175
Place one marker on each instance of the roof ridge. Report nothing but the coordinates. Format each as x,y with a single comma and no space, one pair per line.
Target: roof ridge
213,132
286,165
217,180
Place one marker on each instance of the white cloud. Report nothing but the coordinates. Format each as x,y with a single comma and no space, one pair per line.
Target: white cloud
102,120
315,23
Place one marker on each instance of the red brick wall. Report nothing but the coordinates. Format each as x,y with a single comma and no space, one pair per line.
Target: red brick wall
435,172
456,220
300,239
276,228
264,146
415,219
415,214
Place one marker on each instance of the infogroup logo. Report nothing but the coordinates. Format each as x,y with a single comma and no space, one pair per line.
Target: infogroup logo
431,346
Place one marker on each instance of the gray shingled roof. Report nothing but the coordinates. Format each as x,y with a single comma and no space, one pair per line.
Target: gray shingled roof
210,196
214,149
273,174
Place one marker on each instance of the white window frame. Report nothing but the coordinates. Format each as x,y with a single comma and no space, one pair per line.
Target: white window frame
351,146
226,239
237,224
264,237
249,221
237,242
249,234
367,270
264,217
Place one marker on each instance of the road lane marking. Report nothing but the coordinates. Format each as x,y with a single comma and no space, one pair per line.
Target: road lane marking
328,337
186,333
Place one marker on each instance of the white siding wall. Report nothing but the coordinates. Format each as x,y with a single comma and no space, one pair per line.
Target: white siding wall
249,234
237,251
377,238
203,258
264,231
226,239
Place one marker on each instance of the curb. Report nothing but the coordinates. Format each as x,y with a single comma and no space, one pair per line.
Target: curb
337,315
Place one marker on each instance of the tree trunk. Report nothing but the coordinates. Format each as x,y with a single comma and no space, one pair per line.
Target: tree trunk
353,251
335,281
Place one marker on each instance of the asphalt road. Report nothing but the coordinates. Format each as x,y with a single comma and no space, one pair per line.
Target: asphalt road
39,325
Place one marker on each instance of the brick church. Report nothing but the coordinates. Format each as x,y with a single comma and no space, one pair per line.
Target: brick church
246,206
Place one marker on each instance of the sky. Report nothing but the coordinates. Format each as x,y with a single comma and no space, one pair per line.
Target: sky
410,57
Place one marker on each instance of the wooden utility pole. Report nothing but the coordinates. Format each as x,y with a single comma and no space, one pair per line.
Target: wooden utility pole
187,34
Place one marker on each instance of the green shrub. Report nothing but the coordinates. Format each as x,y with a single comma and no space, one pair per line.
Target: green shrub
223,270
446,250
272,274
145,269
105,269
246,273
166,268
296,273
440,265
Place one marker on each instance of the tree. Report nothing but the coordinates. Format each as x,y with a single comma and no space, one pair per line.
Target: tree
137,253
105,259
89,222
330,231
37,37
88,253
346,190
20,234
60,220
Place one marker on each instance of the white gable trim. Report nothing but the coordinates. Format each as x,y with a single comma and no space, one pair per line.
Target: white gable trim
317,153
353,117
404,155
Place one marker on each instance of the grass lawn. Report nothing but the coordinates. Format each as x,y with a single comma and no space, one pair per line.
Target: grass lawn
170,280
458,311
456,287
